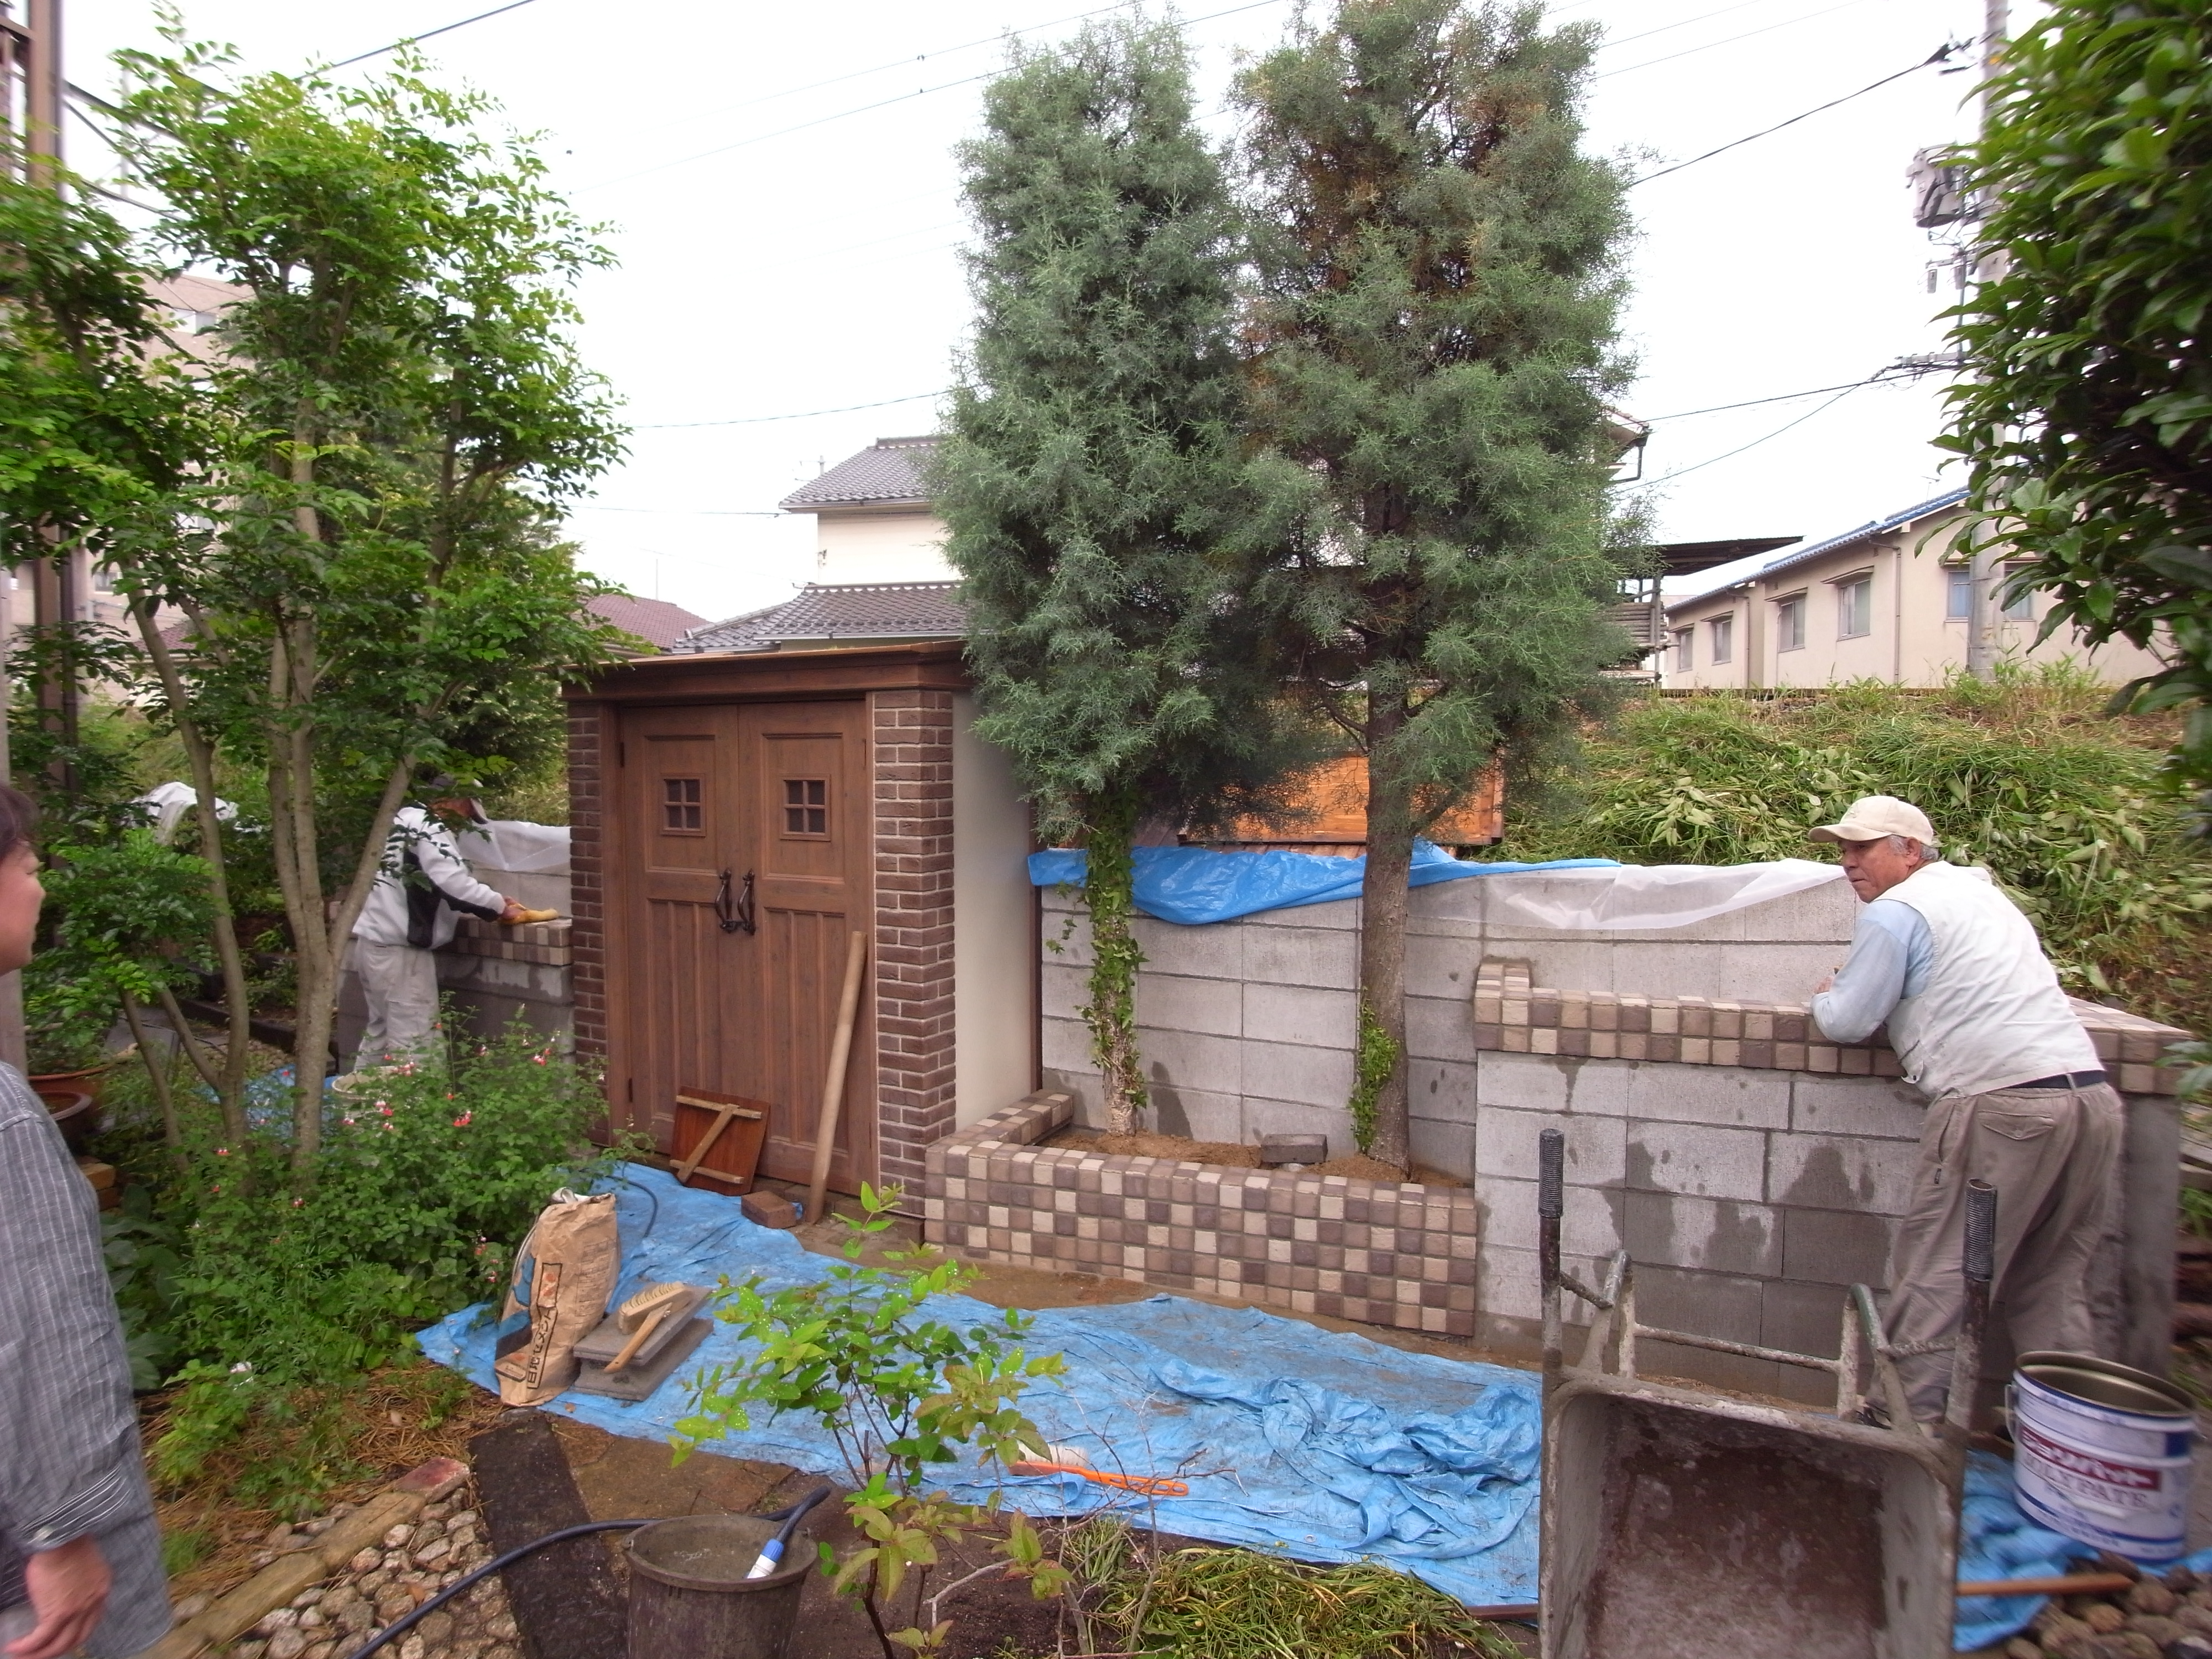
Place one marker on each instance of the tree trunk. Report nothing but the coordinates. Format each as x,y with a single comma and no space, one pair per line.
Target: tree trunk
1109,894
1383,906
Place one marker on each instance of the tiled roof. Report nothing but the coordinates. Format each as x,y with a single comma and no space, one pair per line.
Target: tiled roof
888,471
1866,532
827,613
656,622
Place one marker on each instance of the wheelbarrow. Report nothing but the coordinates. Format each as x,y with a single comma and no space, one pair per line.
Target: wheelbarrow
1683,1524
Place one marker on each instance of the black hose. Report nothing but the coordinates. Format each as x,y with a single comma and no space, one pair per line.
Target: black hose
790,1516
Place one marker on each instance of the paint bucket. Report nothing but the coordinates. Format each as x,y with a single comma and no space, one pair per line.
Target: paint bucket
688,1595
2101,1453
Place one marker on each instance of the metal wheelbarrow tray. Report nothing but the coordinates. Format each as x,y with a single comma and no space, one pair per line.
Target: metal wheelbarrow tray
1681,1524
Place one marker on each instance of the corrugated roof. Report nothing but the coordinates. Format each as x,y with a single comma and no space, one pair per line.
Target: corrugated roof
1865,531
887,473
826,612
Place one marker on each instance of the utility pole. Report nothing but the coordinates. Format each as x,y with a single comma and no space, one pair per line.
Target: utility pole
31,92
1986,573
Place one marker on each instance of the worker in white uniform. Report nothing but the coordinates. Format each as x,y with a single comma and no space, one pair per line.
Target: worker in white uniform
424,890
2016,1094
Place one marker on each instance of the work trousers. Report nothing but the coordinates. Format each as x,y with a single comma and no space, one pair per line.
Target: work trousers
2051,1155
401,985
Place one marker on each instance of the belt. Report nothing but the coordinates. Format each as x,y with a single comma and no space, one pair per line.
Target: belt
2065,1080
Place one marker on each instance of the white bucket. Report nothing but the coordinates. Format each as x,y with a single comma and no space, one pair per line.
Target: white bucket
2101,1453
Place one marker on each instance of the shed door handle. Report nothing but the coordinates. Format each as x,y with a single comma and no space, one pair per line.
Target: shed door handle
736,918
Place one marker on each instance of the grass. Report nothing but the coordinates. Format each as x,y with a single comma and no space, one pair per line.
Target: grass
1236,1604
2027,775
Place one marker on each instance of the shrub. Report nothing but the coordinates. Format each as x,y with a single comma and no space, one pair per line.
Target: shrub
2023,774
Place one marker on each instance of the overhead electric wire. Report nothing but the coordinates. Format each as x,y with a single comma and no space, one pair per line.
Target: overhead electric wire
1714,460
1941,54
803,415
1765,28
412,39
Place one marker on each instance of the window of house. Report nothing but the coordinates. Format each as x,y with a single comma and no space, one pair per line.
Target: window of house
682,808
1855,608
1959,593
2018,606
1789,623
1685,654
1722,642
806,807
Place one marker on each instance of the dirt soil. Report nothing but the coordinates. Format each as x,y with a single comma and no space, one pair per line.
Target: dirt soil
1227,1153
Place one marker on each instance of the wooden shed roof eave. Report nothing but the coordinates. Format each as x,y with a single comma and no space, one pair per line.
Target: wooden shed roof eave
844,671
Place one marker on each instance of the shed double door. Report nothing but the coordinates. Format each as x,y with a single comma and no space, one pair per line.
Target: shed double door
746,846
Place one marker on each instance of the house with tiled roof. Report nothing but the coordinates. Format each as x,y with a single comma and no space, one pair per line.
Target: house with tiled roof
871,517
1893,599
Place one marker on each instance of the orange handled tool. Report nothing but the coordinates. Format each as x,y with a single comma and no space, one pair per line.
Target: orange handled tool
1150,1486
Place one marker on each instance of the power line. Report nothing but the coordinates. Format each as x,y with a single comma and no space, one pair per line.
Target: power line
803,415
1767,28
1941,54
684,511
412,39
1778,398
881,103
1664,28
1714,460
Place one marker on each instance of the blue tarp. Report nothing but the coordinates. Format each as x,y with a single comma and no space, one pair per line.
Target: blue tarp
1196,884
1326,1446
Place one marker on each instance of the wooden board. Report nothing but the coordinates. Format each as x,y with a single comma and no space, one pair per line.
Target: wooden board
565,1598
733,1160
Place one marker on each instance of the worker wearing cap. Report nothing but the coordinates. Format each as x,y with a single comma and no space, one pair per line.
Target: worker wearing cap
2016,1094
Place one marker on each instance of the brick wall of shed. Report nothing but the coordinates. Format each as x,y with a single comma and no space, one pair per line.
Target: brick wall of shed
915,1076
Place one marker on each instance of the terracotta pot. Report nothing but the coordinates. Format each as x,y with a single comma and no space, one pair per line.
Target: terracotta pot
86,1080
75,1113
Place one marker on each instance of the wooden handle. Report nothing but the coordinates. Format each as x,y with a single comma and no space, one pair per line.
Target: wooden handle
636,1342
833,1086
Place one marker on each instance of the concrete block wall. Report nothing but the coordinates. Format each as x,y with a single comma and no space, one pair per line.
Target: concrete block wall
1750,1197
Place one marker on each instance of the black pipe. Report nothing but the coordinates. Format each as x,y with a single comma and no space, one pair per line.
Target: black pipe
790,1515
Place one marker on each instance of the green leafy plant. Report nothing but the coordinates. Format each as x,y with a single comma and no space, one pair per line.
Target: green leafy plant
1373,1067
899,1393
1110,1010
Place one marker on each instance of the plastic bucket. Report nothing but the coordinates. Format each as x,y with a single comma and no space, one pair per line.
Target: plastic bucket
689,1597
2101,1453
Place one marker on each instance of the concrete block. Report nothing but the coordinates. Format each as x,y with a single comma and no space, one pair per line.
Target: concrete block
1600,1087
1064,989
1300,1014
1725,1236
1082,1090
1804,1319
1211,952
1724,1094
1828,914
1066,1046
1290,1117
1201,1114
1836,1247
1841,1172
1577,963
1328,957
1706,1305
1439,1029
1696,1159
1878,1107
1340,915
1524,1081
1441,964
1279,1147
1178,1002
1442,1088
1283,1071
1069,930
1189,1060
1505,1144
1775,972
1450,905
1591,1226
1644,967
1507,1285
1441,1144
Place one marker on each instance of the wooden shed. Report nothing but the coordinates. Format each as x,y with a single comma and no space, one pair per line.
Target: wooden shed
736,817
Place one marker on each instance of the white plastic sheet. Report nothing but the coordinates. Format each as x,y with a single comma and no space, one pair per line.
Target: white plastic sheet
171,801
1639,896
515,844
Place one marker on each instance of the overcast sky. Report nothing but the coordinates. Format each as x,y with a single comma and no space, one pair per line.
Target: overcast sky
785,249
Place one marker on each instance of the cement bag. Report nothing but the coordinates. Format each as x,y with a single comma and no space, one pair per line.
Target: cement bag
574,1257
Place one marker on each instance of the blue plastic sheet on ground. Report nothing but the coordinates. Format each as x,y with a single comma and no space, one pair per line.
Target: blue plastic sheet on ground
1195,884
1325,1446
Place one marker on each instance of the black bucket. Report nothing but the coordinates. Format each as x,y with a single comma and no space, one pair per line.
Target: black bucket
688,1595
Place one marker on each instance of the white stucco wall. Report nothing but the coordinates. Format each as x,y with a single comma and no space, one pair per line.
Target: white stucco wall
879,546
994,930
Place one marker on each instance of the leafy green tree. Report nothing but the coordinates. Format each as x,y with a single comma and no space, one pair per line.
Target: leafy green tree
1092,474
2086,419
399,413
1434,330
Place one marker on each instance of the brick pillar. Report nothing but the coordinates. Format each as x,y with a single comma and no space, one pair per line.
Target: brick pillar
586,886
914,1076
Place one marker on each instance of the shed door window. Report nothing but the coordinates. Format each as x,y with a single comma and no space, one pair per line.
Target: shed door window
682,808
806,807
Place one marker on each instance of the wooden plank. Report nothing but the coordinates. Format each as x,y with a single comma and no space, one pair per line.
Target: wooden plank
566,1597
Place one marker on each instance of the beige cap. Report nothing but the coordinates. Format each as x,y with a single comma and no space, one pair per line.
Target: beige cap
1872,816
